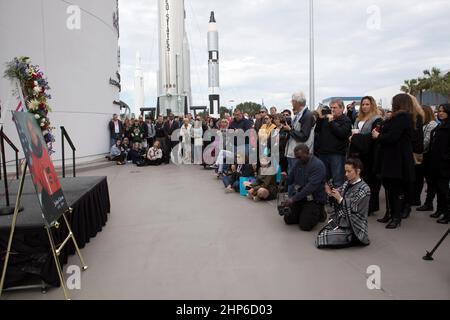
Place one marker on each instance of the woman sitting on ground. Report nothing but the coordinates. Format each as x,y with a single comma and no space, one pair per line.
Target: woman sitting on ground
348,224
118,153
154,155
232,180
265,188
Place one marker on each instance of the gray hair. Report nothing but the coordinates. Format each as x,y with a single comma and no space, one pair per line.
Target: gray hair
339,102
300,98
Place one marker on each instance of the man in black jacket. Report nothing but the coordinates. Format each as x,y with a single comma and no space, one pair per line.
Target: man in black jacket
115,129
170,126
334,131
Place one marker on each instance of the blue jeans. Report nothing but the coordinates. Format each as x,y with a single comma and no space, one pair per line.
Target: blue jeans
227,182
335,164
291,164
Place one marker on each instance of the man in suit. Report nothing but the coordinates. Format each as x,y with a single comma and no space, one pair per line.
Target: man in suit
115,130
301,130
169,127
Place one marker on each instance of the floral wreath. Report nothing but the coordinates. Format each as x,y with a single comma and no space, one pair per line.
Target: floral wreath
34,88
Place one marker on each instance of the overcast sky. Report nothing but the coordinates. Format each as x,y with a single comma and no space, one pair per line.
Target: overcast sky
264,46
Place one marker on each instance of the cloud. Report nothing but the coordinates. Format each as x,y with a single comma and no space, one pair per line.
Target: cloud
264,46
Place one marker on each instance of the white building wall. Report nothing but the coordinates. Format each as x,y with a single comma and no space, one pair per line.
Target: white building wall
77,63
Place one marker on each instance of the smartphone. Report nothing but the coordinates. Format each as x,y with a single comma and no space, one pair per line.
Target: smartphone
378,128
331,184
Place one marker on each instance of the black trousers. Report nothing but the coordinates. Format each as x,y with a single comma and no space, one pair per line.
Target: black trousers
305,213
396,190
442,188
120,158
423,174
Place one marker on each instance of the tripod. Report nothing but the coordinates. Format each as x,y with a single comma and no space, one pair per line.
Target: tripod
429,255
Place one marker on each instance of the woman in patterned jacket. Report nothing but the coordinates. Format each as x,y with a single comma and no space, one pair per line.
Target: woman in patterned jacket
348,224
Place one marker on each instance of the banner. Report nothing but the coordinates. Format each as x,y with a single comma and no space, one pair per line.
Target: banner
45,179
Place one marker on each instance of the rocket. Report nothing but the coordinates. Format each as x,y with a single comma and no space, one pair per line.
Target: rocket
213,67
174,74
139,97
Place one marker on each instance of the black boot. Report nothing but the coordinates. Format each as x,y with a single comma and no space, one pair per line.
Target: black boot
394,224
386,218
445,219
387,215
406,211
425,207
437,214
398,204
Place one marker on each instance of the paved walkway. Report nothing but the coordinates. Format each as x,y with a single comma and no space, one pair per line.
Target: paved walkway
174,234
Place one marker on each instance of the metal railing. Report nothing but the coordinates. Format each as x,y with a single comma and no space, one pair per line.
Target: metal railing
65,136
4,138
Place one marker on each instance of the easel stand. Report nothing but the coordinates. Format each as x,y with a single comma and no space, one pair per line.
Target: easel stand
56,250
429,255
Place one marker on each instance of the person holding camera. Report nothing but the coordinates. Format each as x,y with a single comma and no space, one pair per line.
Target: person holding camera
334,131
301,131
306,206
348,225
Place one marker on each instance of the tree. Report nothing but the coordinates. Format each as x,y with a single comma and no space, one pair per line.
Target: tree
434,81
251,108
224,110
423,86
411,87
445,86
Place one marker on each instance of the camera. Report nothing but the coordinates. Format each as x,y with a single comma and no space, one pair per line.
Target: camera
326,111
283,208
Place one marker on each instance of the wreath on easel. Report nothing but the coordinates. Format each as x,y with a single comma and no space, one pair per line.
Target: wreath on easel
34,88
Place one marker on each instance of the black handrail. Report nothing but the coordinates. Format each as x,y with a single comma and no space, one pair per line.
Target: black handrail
65,135
4,137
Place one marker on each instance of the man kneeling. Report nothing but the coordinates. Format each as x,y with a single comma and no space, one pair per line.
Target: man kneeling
306,206
348,223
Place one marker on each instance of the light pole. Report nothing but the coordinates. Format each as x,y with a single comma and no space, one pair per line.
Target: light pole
311,56
231,102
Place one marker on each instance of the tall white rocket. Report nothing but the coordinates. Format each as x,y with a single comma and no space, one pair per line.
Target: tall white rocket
139,97
174,74
213,67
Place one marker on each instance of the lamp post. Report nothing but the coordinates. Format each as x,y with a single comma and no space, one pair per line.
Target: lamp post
311,56
231,102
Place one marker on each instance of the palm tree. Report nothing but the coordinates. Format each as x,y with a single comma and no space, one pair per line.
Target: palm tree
434,81
410,86
445,86
423,86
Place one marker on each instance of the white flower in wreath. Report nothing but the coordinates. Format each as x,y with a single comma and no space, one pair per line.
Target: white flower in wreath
37,90
33,105
42,124
45,132
37,116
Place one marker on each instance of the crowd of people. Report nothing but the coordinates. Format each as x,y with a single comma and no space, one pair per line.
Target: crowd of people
337,156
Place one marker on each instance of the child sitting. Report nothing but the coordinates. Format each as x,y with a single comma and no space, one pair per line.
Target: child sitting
265,188
154,155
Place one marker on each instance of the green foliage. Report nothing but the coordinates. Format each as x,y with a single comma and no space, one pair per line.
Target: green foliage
432,80
251,108
224,110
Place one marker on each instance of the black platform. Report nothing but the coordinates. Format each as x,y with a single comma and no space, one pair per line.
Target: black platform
31,257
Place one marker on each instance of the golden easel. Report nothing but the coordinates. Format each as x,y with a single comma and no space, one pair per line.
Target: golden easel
56,250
